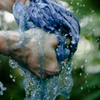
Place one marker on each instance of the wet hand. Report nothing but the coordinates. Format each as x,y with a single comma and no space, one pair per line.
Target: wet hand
29,55
8,4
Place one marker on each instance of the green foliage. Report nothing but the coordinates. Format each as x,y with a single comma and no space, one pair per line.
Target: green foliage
86,85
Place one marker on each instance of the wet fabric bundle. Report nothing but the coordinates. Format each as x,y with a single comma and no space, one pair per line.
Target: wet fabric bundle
53,18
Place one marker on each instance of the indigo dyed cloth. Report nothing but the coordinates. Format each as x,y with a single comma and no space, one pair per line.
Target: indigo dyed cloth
52,18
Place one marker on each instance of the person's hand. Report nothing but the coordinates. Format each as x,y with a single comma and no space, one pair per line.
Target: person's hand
29,53
8,4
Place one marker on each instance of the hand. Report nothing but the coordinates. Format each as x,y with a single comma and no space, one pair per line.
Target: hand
31,55
28,54
8,4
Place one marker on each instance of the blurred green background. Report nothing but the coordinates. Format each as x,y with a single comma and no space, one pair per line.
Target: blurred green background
86,61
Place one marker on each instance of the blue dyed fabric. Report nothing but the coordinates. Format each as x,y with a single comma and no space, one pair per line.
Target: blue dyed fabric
53,18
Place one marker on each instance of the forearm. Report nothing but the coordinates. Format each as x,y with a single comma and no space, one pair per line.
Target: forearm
3,43
7,39
8,4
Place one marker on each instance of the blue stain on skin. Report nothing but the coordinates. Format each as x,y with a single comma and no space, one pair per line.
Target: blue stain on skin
52,18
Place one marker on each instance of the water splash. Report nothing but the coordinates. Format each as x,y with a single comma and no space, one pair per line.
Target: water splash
2,88
50,88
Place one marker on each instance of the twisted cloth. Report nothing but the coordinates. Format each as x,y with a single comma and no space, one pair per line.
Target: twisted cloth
53,18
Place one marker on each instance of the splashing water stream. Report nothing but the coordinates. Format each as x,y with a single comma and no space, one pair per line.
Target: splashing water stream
47,89
50,88
2,88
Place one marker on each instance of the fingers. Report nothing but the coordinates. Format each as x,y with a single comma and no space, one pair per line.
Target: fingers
63,3
50,64
51,68
6,5
38,73
50,60
31,56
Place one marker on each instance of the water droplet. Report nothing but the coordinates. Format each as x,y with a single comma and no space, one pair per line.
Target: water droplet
93,29
99,19
69,68
73,42
80,5
82,66
80,74
59,30
92,11
69,72
66,78
81,88
85,81
10,76
66,35
58,54
2,88
75,67
71,63
21,73
20,69
85,60
13,80
12,64
77,11
62,67
70,33
67,46
77,3
85,76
